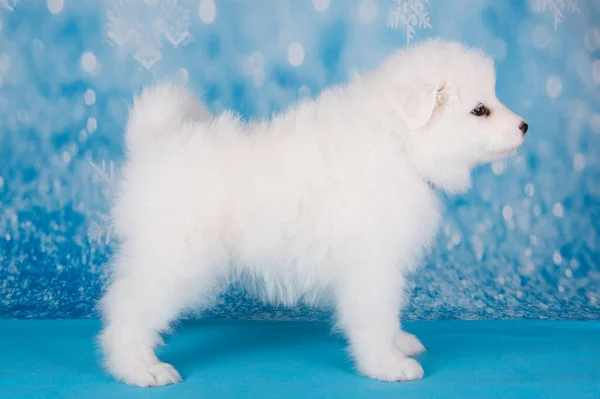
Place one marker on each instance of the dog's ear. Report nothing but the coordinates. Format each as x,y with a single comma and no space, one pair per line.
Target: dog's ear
416,104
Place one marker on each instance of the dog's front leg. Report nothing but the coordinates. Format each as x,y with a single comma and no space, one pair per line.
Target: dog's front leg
369,302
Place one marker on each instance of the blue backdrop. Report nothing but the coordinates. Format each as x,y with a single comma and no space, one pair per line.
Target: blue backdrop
522,244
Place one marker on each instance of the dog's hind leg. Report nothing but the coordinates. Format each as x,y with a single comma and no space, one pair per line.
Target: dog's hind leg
147,294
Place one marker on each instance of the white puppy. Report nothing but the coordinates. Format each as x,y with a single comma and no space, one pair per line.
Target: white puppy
333,200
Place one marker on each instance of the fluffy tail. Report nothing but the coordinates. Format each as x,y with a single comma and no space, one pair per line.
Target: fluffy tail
159,112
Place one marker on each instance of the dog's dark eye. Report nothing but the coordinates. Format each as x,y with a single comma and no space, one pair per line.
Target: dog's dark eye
481,110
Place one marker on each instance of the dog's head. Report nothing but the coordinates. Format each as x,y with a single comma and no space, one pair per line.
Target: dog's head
444,96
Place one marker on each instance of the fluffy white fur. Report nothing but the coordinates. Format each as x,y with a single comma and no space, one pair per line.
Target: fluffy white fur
332,200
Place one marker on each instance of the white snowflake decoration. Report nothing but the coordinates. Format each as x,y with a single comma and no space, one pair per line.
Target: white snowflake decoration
101,227
143,25
9,4
556,7
409,15
119,30
174,23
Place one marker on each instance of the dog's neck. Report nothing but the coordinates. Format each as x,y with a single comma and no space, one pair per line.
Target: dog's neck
451,178
446,175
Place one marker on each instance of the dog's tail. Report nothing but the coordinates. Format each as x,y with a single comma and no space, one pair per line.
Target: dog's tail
159,111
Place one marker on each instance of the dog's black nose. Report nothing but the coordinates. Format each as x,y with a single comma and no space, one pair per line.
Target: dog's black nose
523,127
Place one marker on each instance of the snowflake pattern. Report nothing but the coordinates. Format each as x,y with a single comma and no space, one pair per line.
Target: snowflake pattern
142,26
9,4
409,15
100,230
556,7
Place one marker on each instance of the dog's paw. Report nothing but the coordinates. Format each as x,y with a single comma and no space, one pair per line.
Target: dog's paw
393,369
151,375
409,344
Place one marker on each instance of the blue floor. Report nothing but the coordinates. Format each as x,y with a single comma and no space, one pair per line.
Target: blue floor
254,359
